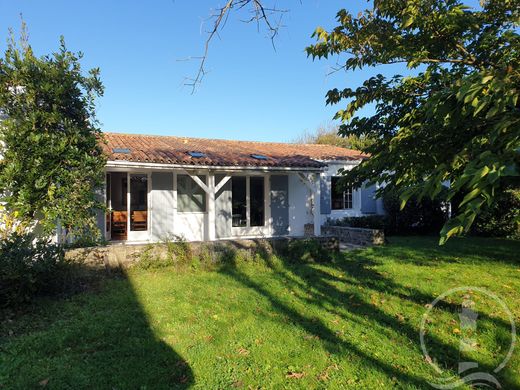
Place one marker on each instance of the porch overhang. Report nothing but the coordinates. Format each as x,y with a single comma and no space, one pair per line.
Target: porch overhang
119,164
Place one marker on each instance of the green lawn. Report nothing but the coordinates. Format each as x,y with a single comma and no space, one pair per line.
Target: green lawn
353,323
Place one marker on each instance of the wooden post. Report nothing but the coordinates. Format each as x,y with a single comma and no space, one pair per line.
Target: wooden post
174,222
211,207
317,206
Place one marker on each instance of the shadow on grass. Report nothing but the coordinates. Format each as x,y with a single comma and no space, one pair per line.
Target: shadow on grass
427,252
319,288
97,339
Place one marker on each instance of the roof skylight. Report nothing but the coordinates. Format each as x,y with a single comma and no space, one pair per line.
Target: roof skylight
259,156
197,154
121,150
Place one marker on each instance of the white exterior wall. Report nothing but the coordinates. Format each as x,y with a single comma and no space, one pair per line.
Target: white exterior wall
190,226
300,205
355,211
193,226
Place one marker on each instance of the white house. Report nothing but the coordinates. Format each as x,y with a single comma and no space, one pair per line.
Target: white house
204,189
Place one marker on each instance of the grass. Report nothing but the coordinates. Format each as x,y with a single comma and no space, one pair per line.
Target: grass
272,323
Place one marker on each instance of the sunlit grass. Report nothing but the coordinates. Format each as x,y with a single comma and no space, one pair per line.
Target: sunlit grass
277,324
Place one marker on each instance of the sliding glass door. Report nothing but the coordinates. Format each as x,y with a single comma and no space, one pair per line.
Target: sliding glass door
128,195
248,203
138,206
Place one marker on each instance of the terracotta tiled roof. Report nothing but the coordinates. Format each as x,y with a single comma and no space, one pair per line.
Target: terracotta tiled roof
174,150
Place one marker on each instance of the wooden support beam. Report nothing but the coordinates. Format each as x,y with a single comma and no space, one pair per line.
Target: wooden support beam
222,183
307,181
211,207
197,180
317,206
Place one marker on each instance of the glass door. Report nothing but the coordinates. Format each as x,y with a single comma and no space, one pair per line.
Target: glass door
117,188
138,206
108,215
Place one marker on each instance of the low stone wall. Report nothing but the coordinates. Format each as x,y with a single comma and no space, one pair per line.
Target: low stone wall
120,256
356,236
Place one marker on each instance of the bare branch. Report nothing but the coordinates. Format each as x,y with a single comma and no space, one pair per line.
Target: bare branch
260,14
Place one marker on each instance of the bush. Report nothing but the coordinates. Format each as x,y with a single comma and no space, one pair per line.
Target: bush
172,251
418,217
422,217
366,222
30,267
502,218
308,250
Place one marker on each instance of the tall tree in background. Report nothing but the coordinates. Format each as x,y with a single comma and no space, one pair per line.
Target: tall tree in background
50,159
457,120
328,135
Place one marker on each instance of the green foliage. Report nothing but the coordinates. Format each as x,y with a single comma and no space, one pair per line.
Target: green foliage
308,250
328,135
366,222
424,216
353,323
51,159
418,216
455,119
502,218
30,268
171,251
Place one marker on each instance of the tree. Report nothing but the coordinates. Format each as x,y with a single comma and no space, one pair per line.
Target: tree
456,120
328,135
51,162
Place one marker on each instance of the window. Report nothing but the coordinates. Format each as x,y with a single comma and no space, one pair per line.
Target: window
197,154
248,201
190,197
341,197
239,201
259,156
138,202
256,185
121,150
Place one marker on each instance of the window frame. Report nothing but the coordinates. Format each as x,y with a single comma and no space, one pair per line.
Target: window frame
248,225
193,184
347,199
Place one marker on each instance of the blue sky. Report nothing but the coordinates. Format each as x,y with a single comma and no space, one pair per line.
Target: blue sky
252,92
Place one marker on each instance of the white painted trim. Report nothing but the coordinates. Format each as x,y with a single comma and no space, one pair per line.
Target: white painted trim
257,231
307,181
197,180
317,206
174,201
222,183
138,235
210,178
133,164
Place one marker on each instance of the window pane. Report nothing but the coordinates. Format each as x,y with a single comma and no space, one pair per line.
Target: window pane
256,195
190,197
238,200
138,202
336,194
348,198
341,196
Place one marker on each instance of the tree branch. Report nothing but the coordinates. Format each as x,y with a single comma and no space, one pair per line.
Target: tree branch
261,14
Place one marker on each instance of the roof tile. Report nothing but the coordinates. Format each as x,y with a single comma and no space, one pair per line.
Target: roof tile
224,153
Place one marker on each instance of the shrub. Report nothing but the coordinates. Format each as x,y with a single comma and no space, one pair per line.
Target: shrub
367,222
502,218
172,251
308,250
30,267
417,217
